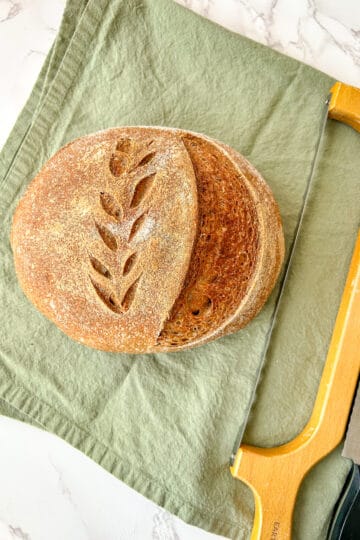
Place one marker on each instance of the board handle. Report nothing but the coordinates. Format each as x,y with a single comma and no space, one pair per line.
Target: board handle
275,474
345,104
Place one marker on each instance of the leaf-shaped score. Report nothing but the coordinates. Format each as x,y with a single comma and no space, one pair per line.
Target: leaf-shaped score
129,264
142,189
121,158
99,267
111,206
107,297
146,159
130,295
118,164
107,236
136,226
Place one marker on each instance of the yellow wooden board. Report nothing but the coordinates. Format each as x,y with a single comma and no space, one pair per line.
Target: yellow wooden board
275,474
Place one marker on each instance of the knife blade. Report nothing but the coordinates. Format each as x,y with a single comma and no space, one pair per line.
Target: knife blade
345,524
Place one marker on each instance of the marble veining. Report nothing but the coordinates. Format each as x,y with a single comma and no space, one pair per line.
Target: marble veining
323,34
10,8
12,532
17,532
48,489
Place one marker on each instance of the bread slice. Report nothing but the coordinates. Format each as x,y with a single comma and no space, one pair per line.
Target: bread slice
143,239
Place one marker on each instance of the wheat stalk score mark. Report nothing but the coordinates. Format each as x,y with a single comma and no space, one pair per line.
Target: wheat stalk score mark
146,159
108,298
142,189
120,162
136,226
111,206
107,236
130,295
129,264
99,267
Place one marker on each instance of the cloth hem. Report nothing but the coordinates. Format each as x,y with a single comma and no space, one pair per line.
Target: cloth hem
53,421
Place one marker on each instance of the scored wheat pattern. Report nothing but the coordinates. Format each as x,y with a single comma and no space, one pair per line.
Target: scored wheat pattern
128,158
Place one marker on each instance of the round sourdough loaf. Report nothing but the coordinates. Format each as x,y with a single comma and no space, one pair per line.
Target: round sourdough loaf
143,239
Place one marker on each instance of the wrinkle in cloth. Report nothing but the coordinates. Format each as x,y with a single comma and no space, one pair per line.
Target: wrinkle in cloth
166,423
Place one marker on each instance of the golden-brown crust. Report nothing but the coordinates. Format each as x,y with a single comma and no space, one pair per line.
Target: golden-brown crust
144,239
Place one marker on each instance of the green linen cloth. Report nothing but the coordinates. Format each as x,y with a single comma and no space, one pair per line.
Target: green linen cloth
165,423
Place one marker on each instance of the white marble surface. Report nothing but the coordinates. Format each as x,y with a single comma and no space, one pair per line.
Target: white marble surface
49,490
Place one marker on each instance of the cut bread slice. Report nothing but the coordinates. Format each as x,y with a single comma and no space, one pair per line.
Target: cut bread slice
238,251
